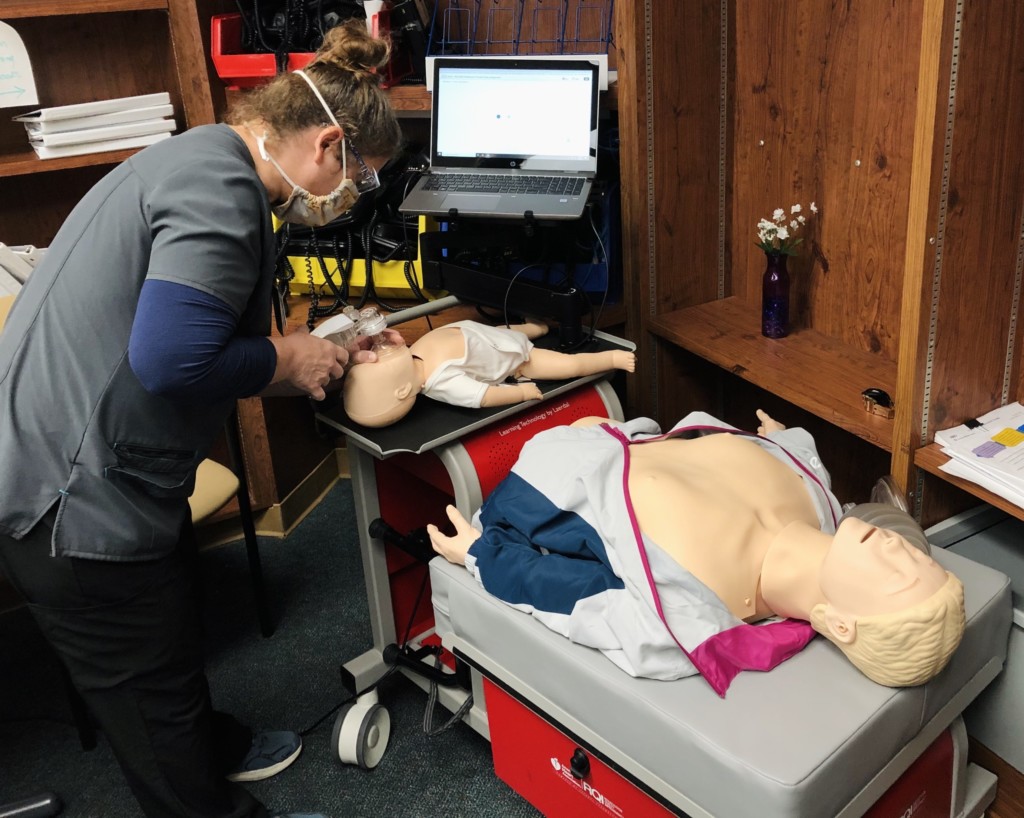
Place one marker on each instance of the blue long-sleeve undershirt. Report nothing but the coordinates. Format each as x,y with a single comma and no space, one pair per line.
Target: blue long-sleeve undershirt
183,346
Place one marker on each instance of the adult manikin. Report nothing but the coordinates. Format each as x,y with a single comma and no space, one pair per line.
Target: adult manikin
465,364
750,518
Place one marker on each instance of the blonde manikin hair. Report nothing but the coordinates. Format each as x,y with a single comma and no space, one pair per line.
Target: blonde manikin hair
907,647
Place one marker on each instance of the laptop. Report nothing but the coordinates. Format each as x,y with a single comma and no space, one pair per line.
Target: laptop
512,137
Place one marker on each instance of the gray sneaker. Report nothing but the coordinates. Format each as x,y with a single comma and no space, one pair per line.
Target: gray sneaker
270,753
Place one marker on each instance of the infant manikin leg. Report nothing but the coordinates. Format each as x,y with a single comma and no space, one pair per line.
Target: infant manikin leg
531,328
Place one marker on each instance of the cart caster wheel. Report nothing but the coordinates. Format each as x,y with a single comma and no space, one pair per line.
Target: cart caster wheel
361,733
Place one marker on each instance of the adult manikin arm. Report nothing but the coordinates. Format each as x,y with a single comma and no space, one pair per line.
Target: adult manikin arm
516,570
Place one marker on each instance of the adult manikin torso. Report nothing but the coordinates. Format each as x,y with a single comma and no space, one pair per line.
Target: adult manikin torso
715,504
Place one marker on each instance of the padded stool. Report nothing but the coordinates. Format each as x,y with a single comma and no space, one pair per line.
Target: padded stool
215,485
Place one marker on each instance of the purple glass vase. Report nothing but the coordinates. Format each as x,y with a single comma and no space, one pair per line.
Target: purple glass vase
775,297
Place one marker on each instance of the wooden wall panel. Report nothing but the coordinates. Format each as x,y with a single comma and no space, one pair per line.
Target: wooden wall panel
684,109
981,240
672,261
824,111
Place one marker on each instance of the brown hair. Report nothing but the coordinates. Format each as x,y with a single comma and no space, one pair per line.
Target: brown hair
344,70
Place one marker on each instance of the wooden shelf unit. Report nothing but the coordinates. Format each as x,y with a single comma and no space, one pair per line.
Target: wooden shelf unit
909,278
26,162
87,50
14,9
809,369
930,458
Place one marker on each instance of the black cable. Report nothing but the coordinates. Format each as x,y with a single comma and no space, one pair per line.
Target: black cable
607,276
327,715
415,607
344,272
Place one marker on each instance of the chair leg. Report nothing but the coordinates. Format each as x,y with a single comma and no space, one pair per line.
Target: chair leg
252,547
44,805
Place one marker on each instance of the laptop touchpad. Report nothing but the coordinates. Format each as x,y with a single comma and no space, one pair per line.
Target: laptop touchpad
471,201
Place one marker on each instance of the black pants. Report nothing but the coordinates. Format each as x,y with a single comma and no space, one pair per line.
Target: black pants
130,634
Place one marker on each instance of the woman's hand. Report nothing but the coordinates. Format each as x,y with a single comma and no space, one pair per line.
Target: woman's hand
454,549
360,353
307,364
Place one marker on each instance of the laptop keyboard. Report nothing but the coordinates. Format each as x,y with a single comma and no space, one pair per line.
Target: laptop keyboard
502,183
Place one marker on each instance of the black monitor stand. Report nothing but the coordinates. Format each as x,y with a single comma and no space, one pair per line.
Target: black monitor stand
445,267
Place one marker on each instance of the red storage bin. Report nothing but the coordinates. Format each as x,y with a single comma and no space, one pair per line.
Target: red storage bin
240,70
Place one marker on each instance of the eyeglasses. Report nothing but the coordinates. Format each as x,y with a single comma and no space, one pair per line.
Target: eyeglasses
366,177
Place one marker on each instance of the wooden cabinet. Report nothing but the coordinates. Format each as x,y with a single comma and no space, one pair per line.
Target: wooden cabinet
85,50
903,122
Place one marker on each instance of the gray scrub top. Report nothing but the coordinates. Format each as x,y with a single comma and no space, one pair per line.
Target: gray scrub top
76,425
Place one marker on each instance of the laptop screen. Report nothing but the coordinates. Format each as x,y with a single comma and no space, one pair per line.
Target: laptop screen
516,113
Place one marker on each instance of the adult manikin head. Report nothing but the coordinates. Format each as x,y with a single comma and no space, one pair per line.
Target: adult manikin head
381,393
896,613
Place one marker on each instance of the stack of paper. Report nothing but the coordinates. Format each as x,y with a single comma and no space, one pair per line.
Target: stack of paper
989,451
92,127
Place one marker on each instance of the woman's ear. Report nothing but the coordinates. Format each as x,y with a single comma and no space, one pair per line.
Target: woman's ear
842,628
326,139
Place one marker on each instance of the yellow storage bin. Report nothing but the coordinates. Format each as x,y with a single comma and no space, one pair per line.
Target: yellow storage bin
389,277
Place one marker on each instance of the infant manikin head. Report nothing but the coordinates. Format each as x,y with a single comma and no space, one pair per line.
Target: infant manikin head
382,392
896,613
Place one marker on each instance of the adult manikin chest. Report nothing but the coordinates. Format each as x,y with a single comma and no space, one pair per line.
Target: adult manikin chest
715,504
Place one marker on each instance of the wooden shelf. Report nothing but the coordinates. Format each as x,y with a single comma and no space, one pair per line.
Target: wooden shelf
808,369
415,99
53,8
411,99
930,458
26,162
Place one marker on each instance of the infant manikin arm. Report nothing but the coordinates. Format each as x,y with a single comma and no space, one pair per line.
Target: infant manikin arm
508,393
550,365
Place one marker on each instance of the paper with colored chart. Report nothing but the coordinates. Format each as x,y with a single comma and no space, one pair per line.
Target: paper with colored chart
989,450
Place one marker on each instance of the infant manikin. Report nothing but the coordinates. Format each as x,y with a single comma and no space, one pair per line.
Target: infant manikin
465,364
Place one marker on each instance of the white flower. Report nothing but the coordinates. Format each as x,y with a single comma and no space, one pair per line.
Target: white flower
778,236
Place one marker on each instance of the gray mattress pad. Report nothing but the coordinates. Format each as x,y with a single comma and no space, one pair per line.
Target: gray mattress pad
810,738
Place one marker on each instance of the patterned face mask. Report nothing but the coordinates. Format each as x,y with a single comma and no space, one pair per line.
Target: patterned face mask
303,207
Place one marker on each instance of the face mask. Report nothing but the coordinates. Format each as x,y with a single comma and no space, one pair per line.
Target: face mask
303,207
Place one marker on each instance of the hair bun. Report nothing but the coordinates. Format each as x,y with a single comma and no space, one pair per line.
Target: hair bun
350,47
